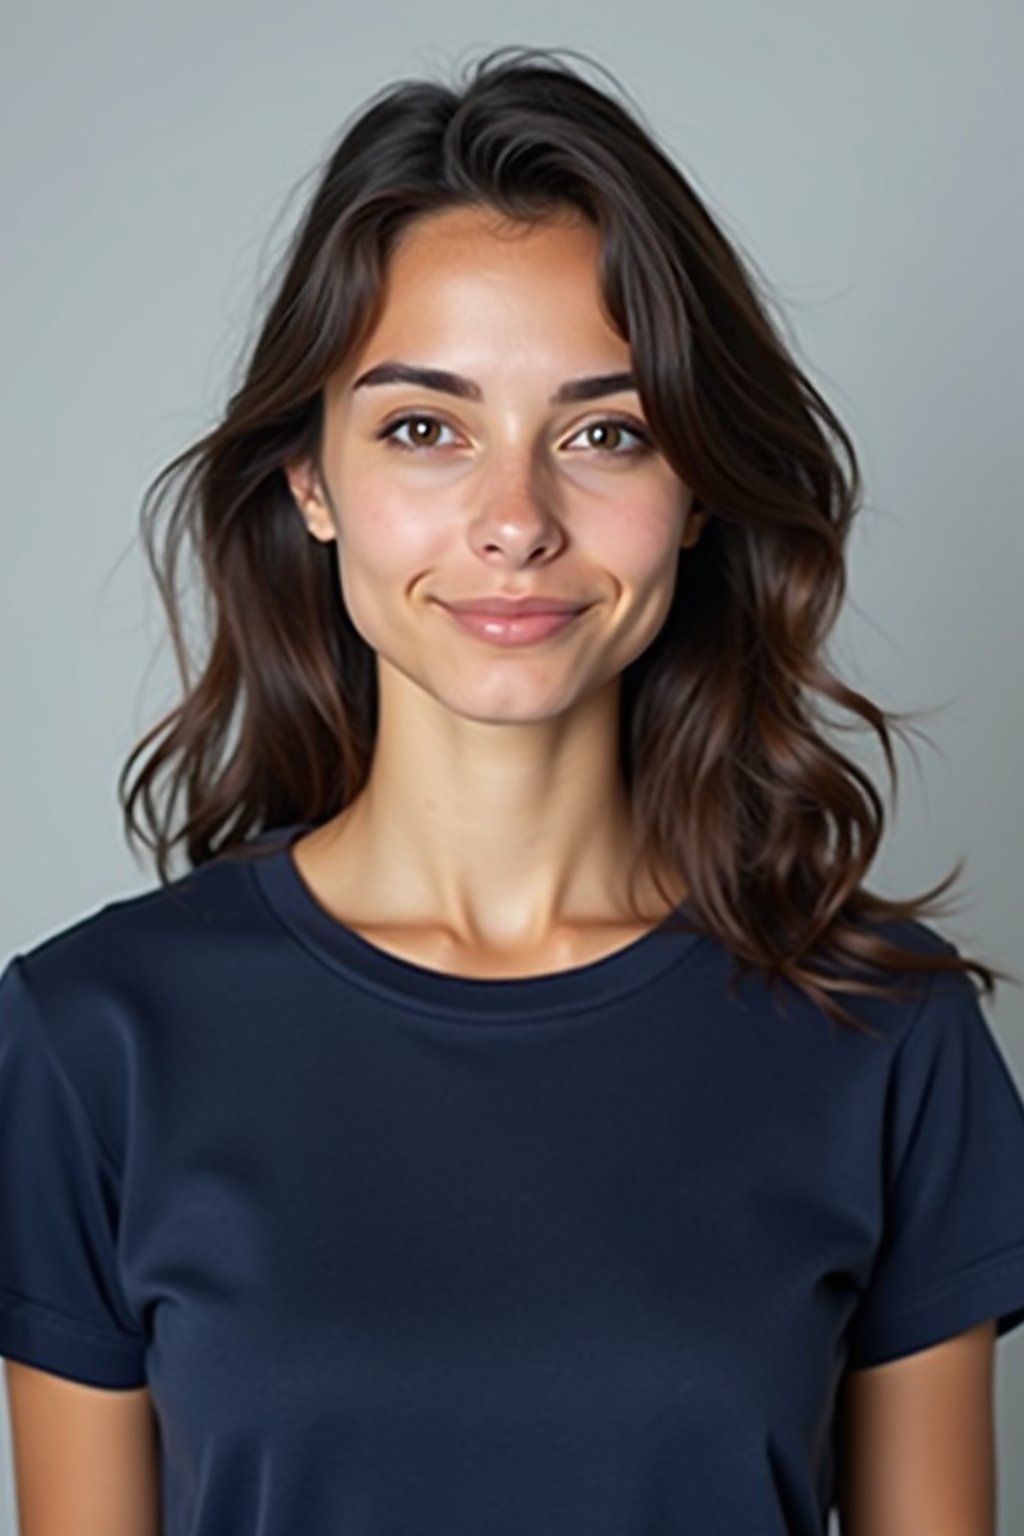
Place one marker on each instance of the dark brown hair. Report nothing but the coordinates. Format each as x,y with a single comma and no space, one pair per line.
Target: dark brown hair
732,779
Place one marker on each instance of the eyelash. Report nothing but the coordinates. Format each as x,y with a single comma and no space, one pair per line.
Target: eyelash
388,430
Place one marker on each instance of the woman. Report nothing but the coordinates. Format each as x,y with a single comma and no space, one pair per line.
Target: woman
473,1140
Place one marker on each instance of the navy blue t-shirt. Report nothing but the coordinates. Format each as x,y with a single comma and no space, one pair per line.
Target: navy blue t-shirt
401,1253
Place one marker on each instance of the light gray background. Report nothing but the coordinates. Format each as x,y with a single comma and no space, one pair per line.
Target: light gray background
863,155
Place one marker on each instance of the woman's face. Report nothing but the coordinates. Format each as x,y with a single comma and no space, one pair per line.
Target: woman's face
497,486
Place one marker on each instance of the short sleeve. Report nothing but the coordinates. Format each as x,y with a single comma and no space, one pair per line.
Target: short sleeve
952,1250
61,1307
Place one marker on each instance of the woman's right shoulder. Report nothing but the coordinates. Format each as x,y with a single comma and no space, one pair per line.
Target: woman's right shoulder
138,934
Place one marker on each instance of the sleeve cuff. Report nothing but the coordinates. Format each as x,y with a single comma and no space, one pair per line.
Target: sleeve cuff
992,1287
37,1336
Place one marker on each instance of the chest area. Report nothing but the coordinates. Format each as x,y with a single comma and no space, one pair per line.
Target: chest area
438,1223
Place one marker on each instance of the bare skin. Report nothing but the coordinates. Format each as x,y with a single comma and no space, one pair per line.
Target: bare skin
919,1440
491,837
85,1459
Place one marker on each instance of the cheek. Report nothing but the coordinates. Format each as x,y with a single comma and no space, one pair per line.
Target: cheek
638,542
391,533
639,545
396,534
388,540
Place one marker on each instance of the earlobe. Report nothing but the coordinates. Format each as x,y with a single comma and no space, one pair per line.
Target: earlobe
317,521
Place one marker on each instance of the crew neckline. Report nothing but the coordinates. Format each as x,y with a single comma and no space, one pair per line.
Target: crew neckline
422,987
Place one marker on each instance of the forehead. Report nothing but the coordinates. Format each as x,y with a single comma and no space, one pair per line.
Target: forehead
477,233
469,289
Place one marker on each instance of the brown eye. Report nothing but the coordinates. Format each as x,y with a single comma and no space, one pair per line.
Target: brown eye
416,421
605,436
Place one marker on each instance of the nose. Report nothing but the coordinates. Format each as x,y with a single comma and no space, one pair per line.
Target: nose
518,520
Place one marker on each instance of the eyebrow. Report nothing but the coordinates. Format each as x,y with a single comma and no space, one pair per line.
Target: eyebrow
588,388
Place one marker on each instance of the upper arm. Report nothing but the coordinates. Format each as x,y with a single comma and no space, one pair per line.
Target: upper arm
918,1442
85,1458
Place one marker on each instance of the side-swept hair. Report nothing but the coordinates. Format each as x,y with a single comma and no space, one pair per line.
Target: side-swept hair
732,779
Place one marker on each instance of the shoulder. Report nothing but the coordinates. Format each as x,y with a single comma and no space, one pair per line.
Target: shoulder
134,933
899,988
113,964
105,998
912,990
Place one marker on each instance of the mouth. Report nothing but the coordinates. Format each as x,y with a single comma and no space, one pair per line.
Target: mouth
515,627
512,607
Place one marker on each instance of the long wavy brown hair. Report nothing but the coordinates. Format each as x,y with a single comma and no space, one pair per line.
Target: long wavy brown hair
732,779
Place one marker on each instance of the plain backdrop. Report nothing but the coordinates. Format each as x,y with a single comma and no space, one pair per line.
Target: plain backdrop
864,156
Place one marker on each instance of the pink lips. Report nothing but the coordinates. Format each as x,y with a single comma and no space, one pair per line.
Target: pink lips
514,623
512,607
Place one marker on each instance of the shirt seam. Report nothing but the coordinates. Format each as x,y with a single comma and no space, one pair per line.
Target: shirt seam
21,966
995,1259
930,994
550,1014
50,1317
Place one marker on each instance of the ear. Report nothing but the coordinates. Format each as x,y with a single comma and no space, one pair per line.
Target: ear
307,493
696,517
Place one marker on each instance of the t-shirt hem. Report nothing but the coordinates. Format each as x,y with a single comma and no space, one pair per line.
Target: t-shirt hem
36,1336
992,1287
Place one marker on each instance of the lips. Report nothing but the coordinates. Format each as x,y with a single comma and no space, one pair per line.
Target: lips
513,625
513,608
